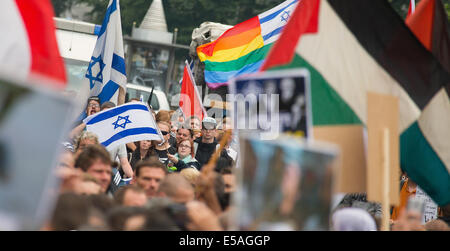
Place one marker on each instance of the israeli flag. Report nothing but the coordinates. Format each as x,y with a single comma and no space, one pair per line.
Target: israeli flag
106,71
273,21
123,124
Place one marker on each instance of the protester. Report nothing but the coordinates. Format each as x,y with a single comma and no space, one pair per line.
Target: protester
195,125
144,151
119,218
87,185
74,212
205,146
184,157
229,179
85,139
149,175
92,107
191,175
359,200
96,161
177,188
184,133
352,219
165,148
131,196
408,189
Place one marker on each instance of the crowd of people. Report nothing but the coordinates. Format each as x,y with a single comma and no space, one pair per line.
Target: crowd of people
162,185
145,185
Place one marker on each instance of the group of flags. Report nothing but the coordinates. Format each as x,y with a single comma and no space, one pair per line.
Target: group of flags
348,51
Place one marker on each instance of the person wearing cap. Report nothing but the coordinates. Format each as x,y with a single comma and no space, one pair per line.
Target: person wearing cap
92,107
206,145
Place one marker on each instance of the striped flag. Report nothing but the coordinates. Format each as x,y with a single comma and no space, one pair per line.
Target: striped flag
123,124
243,48
350,51
28,47
429,24
190,99
106,71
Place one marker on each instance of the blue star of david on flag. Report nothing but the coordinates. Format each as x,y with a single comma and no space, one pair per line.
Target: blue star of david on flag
285,16
124,123
95,71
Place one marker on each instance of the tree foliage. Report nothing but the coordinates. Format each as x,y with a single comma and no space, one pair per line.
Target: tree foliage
189,14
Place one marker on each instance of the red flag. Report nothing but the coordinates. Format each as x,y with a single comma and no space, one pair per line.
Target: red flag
190,100
412,7
429,24
28,48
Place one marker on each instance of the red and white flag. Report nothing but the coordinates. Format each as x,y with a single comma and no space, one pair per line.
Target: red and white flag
412,7
190,100
28,48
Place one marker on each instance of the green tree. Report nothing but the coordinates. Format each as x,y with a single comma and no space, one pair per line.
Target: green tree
186,15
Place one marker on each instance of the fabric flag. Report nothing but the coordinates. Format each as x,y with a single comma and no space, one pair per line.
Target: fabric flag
28,48
412,8
429,24
106,71
190,100
123,124
243,48
350,51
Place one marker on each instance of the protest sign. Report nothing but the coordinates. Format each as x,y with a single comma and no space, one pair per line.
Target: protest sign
272,103
431,207
284,185
32,124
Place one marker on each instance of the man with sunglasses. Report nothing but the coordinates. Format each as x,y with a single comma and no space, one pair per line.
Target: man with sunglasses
165,148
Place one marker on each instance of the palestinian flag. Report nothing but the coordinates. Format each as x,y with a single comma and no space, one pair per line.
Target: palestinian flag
354,46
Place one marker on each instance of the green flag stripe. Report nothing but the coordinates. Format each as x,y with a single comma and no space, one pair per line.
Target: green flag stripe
423,165
328,108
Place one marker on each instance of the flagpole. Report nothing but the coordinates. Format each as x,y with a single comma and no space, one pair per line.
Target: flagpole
195,88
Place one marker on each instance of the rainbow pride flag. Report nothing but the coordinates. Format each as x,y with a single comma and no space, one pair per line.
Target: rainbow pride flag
243,48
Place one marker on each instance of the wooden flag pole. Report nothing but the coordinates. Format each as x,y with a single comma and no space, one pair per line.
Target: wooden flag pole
386,180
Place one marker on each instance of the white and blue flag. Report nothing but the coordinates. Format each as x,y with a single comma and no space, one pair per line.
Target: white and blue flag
273,21
123,124
106,71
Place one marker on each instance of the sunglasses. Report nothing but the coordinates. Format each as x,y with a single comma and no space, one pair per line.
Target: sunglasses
164,133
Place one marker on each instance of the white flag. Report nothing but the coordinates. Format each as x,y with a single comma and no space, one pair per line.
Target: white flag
123,124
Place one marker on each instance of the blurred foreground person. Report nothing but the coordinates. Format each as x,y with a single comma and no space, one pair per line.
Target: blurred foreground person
96,161
177,188
352,219
131,196
149,174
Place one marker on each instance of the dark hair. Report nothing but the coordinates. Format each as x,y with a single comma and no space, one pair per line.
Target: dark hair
71,212
102,202
119,196
226,170
224,161
107,104
183,126
165,215
152,162
89,155
117,217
